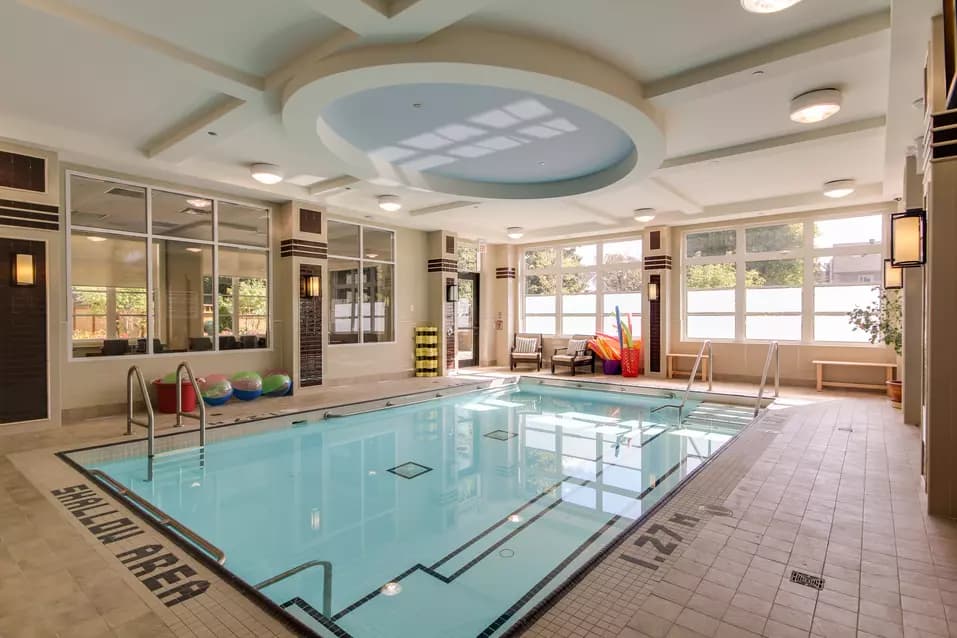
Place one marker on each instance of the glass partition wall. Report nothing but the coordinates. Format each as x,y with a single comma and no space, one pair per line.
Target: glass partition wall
142,267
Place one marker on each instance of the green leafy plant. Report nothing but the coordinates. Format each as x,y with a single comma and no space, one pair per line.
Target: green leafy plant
881,320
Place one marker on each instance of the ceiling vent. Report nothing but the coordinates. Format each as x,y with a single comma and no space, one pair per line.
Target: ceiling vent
23,172
119,191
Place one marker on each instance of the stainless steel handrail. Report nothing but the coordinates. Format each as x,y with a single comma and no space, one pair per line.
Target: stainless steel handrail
694,373
150,423
201,417
326,581
775,350
161,517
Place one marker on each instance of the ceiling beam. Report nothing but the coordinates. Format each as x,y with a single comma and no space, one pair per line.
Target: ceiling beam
217,75
335,183
865,194
171,144
600,216
327,47
397,20
812,135
840,40
685,203
441,208
358,16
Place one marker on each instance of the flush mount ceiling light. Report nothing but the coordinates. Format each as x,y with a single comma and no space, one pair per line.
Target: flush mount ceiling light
514,232
839,188
193,249
767,6
644,215
266,173
815,106
389,203
197,202
96,239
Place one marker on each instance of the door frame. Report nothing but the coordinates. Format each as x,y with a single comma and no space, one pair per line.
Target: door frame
476,280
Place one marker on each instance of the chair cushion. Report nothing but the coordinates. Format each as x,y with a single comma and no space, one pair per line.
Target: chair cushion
525,355
526,345
576,345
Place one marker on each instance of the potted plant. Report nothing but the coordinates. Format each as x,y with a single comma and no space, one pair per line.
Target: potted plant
881,320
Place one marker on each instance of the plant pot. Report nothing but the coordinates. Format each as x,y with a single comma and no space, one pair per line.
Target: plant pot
610,366
894,392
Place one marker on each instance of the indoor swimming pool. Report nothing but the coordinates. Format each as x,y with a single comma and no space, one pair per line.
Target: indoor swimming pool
450,517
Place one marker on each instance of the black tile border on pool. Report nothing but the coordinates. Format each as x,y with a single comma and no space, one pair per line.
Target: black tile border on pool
278,611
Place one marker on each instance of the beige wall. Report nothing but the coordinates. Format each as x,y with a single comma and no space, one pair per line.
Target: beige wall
358,361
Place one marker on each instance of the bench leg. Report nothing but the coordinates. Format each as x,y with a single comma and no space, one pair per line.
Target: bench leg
704,369
671,370
820,377
890,374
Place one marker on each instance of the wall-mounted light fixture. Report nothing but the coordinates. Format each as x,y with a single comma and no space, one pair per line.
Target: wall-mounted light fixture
909,238
893,276
22,270
310,287
654,291
452,293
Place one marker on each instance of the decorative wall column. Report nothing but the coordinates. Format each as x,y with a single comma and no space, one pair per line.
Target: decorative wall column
443,272
505,299
913,319
655,315
299,316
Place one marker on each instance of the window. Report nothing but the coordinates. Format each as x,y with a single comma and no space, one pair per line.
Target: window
575,289
786,282
468,257
361,283
113,254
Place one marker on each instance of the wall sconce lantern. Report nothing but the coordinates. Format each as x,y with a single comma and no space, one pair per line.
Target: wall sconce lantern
310,287
654,291
22,270
893,276
452,293
909,238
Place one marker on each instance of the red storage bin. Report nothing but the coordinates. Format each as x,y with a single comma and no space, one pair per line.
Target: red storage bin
166,397
630,362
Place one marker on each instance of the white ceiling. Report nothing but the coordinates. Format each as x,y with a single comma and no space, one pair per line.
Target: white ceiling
123,76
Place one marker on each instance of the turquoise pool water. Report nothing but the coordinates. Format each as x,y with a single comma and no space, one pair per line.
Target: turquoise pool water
447,518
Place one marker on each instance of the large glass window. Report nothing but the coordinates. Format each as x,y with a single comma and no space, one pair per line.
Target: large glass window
361,283
113,254
785,282
574,289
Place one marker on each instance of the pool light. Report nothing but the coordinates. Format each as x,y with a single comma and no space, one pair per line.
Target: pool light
515,518
391,588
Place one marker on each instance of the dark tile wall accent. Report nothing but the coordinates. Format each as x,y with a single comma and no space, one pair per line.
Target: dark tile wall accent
23,172
505,273
661,262
23,336
310,221
310,333
443,265
654,339
303,248
27,215
450,244
449,323
655,240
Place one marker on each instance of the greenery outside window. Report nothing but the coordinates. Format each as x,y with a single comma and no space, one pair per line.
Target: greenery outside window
361,283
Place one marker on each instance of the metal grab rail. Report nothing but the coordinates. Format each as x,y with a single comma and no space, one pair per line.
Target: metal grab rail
326,581
162,517
201,417
150,424
694,373
775,350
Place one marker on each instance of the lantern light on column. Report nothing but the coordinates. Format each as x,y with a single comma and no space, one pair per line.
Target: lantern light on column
893,276
909,238
654,291
22,270
310,286
452,293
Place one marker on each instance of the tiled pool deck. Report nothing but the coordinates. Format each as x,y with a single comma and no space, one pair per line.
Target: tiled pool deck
826,485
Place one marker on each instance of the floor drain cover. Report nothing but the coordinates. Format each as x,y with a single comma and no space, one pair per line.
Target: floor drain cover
716,510
814,582
506,553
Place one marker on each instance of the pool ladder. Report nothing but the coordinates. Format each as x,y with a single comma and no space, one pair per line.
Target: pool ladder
326,581
774,353
694,373
201,415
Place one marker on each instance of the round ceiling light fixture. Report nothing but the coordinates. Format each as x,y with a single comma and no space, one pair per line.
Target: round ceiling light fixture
514,232
644,215
389,203
815,106
266,173
839,188
767,6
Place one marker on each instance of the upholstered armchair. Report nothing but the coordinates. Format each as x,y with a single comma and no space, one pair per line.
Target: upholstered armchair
526,348
575,354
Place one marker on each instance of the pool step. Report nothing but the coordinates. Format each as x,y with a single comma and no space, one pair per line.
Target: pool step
710,414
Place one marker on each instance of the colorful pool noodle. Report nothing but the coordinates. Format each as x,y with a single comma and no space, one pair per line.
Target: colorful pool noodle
621,342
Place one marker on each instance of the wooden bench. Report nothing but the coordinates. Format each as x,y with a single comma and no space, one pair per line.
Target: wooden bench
889,369
671,365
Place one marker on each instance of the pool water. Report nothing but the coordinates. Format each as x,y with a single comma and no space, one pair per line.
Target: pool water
442,519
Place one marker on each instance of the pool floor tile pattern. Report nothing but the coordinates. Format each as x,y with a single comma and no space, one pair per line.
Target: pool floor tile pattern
805,495
409,470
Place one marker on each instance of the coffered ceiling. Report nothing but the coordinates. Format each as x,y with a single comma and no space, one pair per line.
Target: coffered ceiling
681,105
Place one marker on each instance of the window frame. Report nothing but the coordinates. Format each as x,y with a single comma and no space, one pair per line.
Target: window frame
149,237
361,260
558,270
807,252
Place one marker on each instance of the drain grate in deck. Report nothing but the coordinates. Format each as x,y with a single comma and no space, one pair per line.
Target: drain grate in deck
801,578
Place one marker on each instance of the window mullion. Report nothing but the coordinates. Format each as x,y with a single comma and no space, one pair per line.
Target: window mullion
740,295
